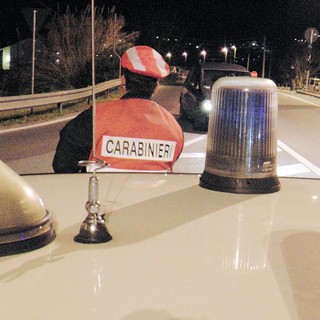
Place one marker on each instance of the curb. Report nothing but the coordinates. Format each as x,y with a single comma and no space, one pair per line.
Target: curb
316,95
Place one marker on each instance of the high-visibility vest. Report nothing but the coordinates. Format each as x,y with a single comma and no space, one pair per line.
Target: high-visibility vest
137,134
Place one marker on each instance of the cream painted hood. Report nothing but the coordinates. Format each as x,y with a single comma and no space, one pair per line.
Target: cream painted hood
178,252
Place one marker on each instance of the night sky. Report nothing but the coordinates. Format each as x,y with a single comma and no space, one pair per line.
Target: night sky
280,21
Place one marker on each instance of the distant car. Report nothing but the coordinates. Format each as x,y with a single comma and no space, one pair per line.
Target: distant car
195,98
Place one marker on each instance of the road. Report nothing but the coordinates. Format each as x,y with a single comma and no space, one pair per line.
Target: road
31,149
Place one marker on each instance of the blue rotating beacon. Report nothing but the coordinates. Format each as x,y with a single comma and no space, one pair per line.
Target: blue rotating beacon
242,144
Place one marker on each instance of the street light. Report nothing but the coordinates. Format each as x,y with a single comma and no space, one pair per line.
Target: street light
234,48
225,51
185,54
203,53
33,50
169,56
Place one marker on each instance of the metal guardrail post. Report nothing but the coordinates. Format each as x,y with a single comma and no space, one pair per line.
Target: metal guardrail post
60,108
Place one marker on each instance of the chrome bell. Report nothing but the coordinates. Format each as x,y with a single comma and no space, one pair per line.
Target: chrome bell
93,228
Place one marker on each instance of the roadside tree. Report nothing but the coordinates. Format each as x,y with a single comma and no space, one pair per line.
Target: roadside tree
295,64
65,59
69,56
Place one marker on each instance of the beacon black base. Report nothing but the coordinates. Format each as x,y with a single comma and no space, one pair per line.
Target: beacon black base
239,185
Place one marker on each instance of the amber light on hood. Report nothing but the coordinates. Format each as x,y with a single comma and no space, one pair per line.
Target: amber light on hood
242,144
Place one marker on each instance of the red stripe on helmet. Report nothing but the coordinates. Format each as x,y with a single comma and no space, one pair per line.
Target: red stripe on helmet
146,61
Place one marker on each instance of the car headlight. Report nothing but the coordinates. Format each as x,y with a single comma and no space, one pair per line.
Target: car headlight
206,105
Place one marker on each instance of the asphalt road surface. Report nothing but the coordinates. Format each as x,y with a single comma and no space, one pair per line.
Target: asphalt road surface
30,149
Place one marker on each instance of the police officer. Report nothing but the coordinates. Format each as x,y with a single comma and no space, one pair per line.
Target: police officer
133,133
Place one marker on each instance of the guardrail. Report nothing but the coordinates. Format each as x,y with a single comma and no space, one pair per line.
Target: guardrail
58,98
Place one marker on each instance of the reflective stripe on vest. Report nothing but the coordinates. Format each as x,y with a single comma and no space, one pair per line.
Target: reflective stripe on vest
137,148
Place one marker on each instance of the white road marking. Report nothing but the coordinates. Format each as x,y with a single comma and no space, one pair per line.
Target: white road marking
288,170
195,140
302,167
36,125
301,159
193,155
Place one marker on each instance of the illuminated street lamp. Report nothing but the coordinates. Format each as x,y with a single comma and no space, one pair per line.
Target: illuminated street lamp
234,48
225,51
185,54
169,56
203,53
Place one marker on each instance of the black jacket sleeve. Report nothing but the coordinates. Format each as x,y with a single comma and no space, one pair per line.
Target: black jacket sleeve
75,144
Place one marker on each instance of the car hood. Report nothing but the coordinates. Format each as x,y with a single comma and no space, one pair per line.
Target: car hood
173,242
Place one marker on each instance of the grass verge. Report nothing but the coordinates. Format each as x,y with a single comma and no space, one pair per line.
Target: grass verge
46,113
